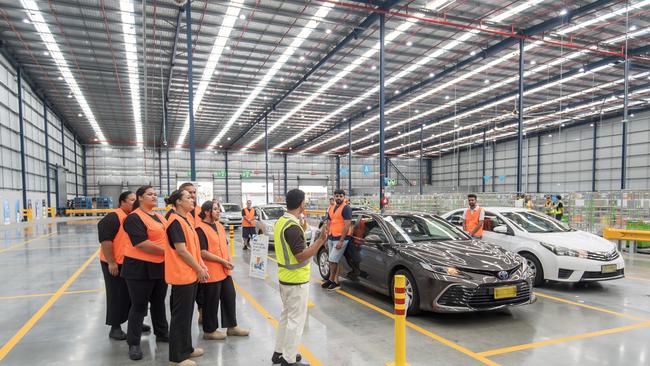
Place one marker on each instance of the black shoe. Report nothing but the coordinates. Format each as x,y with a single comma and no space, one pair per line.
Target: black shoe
334,286
117,334
326,284
277,358
146,328
245,247
162,338
135,353
283,362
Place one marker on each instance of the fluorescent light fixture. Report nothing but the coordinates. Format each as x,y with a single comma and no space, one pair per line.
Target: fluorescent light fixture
564,12
36,18
515,10
304,34
229,20
328,31
127,12
26,21
604,17
409,43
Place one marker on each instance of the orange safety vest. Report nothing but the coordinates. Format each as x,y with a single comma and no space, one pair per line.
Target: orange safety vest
337,224
121,240
177,272
217,245
155,232
471,220
249,214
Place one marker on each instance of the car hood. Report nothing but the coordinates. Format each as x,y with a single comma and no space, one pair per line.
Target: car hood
469,254
233,215
578,240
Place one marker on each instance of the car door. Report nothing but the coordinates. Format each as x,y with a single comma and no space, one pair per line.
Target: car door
456,218
372,256
507,241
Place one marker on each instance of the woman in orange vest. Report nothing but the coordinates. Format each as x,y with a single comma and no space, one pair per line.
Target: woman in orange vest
114,241
184,268
248,224
144,269
219,288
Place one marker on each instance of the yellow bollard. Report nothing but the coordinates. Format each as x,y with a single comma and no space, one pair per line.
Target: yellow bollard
400,322
232,241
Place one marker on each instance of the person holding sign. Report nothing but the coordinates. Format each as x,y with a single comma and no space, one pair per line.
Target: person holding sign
293,257
219,289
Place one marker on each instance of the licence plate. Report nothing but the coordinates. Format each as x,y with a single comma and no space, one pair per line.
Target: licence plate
608,268
505,292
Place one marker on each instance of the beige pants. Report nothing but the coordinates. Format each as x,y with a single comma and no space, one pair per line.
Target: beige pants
292,320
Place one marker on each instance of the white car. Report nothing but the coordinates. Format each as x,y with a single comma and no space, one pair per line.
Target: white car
266,217
553,250
230,214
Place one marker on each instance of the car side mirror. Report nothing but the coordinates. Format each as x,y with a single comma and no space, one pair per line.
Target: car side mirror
502,229
373,239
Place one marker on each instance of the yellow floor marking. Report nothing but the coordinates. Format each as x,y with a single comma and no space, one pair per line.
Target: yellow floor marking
548,342
591,307
7,347
59,247
306,353
13,247
50,294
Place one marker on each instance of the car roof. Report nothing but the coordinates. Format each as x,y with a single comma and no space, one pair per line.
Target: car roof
499,209
270,205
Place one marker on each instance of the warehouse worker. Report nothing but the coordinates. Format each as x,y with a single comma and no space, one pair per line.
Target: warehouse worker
144,269
293,257
549,209
248,224
339,220
184,268
559,208
473,218
114,241
194,213
219,289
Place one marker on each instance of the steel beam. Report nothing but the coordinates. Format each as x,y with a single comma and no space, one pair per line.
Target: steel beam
190,89
338,171
382,168
420,162
266,156
21,123
76,175
349,158
286,179
594,157
520,115
538,172
483,166
84,170
225,154
626,87
47,155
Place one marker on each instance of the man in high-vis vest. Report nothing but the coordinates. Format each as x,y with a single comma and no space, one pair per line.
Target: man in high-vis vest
559,208
473,218
293,257
248,224
339,220
549,208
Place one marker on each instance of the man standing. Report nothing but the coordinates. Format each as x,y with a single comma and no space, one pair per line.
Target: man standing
473,218
293,257
548,206
248,224
559,208
339,219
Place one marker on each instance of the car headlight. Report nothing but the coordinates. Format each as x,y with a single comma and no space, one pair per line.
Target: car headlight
558,250
444,270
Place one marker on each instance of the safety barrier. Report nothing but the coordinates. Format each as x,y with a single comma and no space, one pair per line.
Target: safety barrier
51,211
27,214
400,321
625,238
232,241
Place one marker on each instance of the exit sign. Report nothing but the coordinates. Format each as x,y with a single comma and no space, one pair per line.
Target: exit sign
246,174
220,174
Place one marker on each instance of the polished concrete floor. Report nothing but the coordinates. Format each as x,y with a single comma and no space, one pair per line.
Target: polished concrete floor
52,313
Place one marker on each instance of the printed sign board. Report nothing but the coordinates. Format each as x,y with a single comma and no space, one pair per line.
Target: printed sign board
259,256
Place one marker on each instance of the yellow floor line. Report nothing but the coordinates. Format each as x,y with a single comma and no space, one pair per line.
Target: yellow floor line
591,307
7,347
13,247
548,342
50,294
306,353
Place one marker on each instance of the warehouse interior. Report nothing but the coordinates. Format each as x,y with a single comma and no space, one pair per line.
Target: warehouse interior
539,108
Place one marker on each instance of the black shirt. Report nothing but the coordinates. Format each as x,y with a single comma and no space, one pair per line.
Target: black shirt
175,233
136,269
108,227
203,237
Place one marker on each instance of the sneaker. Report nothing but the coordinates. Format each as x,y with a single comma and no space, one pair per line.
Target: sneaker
325,284
214,336
198,352
146,328
334,286
238,332
283,362
135,353
277,358
164,338
117,334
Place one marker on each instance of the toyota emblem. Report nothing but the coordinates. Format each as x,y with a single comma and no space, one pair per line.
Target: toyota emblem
503,275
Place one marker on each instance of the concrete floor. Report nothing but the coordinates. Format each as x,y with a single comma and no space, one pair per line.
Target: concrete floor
52,312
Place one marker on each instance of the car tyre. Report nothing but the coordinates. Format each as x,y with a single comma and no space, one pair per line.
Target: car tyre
323,264
533,262
411,291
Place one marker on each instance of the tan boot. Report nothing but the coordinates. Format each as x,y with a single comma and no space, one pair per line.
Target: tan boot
214,336
198,352
187,362
200,316
238,332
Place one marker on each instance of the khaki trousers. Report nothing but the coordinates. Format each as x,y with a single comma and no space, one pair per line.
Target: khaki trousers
292,320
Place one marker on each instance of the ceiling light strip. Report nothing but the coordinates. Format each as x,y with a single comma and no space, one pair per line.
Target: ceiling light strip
127,11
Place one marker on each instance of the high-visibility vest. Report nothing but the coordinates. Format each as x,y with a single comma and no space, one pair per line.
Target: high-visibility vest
548,208
290,270
337,223
250,215
177,272
471,220
121,240
217,245
559,210
155,233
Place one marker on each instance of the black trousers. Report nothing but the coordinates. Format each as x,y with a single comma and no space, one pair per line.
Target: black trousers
143,293
558,216
118,301
199,297
181,303
217,294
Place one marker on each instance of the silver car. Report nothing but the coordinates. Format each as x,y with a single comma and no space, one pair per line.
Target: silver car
266,217
230,214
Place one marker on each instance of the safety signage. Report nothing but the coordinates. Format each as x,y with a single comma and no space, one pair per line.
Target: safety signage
220,174
391,182
486,178
18,211
502,178
246,174
259,254
366,170
344,171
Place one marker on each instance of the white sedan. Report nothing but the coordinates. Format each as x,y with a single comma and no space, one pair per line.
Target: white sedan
553,250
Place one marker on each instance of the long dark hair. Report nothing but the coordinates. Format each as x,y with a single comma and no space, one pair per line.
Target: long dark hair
207,206
174,197
123,196
139,193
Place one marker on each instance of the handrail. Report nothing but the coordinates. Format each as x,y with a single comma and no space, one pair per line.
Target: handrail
623,234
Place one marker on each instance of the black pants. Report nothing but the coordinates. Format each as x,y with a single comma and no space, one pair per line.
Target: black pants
199,297
217,294
143,293
180,330
117,297
558,217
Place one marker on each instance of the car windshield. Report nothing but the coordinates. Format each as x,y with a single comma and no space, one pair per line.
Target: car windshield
231,207
273,213
534,222
414,228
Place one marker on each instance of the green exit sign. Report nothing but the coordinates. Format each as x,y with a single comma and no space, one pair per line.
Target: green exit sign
189,173
220,174
246,174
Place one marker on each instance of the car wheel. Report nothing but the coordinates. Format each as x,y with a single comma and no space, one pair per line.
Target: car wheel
412,295
323,264
535,267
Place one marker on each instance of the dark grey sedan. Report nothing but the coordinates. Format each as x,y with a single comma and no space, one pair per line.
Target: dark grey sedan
446,270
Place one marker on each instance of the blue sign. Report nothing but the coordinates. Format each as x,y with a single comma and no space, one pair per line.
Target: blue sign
7,214
344,171
502,178
486,178
366,170
17,210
